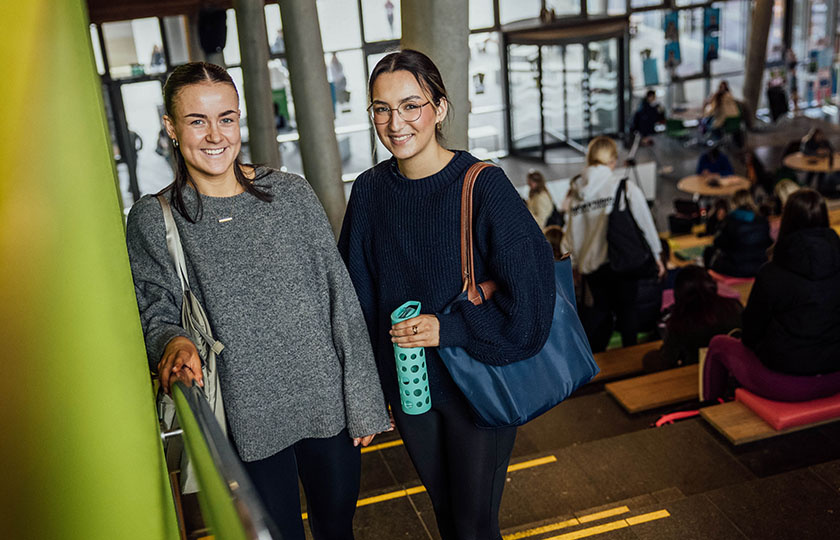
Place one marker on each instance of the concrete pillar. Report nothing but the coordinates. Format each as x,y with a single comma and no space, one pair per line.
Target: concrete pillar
441,29
313,105
253,49
762,16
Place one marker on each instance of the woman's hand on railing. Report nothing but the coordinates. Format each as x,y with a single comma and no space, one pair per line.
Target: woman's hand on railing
180,359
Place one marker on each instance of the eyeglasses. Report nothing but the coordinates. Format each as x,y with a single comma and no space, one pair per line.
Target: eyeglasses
409,112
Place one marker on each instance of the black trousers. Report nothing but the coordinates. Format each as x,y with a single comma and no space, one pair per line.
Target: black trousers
329,470
462,466
613,306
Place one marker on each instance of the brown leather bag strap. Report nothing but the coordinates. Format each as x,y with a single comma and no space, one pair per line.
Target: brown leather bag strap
467,252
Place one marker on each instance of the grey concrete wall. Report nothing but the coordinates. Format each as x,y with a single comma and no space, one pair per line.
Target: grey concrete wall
253,49
441,29
313,105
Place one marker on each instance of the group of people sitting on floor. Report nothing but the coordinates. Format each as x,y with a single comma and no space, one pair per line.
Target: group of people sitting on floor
790,328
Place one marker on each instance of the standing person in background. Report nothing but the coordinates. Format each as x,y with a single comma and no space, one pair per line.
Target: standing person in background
401,240
261,258
614,297
539,203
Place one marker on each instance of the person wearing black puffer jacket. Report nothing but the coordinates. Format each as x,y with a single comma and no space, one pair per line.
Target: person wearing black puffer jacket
792,318
790,349
740,247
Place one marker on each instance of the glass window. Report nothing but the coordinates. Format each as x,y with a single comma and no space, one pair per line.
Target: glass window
486,119
517,10
563,7
481,14
645,3
775,40
231,50
134,47
606,7
339,21
381,19
691,42
274,29
143,103
176,39
734,21
97,50
647,49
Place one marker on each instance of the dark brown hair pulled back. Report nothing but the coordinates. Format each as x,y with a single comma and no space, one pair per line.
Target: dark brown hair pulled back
181,77
424,70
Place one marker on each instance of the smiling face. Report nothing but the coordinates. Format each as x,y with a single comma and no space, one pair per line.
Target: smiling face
407,141
205,123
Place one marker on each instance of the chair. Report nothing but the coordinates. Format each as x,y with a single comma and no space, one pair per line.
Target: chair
675,128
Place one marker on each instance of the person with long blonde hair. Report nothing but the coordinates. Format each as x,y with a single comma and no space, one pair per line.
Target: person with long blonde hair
613,297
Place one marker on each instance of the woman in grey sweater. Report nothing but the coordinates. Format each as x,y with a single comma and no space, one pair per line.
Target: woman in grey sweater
297,374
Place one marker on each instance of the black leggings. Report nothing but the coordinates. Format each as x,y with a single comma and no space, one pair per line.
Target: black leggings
613,305
462,466
329,470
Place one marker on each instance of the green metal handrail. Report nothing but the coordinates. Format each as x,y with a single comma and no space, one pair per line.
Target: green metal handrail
228,501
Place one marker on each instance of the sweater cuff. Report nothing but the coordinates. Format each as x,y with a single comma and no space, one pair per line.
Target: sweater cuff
453,330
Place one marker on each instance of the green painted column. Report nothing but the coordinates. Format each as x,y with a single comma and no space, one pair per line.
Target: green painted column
80,452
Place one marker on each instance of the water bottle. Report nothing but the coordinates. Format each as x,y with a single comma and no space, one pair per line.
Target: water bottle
412,378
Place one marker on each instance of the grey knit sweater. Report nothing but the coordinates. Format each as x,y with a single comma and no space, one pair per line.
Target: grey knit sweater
297,361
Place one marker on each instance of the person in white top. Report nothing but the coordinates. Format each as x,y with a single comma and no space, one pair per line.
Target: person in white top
588,206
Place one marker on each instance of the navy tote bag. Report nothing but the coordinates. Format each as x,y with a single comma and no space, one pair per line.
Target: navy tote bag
513,394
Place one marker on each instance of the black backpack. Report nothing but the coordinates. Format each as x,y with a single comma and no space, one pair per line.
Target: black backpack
627,250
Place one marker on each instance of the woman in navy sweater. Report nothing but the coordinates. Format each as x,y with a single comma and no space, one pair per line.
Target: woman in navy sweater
401,242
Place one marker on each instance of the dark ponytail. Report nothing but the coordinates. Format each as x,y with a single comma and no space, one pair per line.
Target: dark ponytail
181,77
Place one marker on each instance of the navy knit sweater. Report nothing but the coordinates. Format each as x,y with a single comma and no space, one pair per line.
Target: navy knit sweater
401,241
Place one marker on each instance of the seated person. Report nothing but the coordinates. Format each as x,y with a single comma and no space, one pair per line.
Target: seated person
720,106
791,326
740,246
697,315
815,143
715,163
715,216
647,116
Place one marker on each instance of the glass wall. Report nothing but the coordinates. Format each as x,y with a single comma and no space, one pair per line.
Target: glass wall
131,55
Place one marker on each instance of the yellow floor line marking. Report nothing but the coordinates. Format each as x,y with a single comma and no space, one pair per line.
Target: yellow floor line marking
601,515
542,530
612,526
592,531
532,463
420,489
382,446
644,518
568,523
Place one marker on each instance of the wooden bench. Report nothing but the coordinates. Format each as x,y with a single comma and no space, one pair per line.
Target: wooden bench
624,361
740,425
656,390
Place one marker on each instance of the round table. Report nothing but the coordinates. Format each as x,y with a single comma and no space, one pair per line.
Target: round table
699,185
817,164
